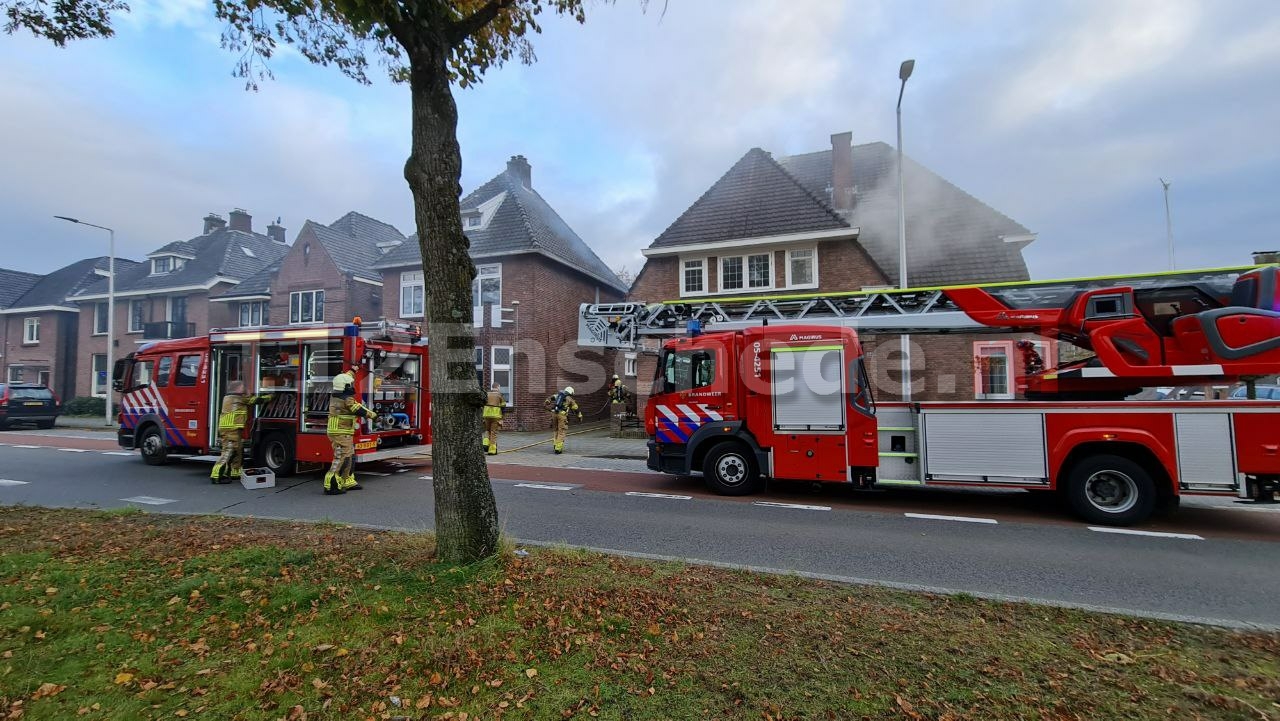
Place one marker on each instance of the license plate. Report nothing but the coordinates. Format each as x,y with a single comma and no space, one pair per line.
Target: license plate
33,403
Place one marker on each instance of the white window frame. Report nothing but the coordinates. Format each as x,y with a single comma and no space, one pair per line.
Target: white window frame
30,331
168,308
315,294
746,272
473,221
260,306
986,348
155,265
143,321
14,374
409,281
630,363
94,389
488,270
100,310
509,368
43,378
813,250
478,359
703,263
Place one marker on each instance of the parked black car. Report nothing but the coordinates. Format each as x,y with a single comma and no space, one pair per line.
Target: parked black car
27,403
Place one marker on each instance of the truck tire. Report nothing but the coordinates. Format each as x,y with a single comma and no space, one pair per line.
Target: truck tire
152,447
276,453
1111,490
730,470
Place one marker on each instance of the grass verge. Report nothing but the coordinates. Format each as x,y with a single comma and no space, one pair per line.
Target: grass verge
111,616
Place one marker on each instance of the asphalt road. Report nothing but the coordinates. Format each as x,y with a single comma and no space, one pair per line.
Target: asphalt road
1215,565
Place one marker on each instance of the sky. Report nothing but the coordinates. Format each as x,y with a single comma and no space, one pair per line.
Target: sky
1062,114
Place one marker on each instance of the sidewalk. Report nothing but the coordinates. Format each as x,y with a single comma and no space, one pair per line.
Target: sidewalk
586,447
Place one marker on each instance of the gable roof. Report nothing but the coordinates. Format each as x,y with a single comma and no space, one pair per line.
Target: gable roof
13,283
219,254
257,284
522,222
53,289
755,198
952,237
352,242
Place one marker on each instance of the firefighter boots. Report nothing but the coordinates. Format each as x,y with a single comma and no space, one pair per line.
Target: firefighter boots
333,485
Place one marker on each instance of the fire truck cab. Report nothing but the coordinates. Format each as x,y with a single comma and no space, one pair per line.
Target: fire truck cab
171,392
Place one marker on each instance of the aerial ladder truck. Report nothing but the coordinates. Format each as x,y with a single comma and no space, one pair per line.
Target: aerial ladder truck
777,387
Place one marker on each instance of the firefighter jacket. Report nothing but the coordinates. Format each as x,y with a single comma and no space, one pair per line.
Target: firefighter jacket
561,403
343,413
493,404
235,411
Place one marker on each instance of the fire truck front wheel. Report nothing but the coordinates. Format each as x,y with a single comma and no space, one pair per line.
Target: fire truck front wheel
152,447
1111,490
730,470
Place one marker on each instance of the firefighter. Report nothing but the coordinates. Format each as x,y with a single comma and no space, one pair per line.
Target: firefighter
561,405
344,412
617,391
493,405
231,422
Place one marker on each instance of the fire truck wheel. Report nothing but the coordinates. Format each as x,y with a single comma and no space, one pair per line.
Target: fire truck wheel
277,454
152,447
730,470
1112,490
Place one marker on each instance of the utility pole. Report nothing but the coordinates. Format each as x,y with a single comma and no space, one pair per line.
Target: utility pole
904,72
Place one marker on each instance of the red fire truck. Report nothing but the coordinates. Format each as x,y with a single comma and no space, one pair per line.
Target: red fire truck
171,392
784,394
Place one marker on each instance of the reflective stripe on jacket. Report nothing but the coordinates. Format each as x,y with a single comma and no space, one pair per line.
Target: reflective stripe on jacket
342,415
235,411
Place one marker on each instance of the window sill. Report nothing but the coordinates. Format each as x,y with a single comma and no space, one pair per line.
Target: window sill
98,335
130,332
30,343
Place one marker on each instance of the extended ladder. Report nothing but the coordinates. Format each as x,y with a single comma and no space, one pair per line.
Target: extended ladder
910,310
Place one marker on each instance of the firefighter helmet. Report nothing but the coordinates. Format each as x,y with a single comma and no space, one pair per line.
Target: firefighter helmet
568,390
342,383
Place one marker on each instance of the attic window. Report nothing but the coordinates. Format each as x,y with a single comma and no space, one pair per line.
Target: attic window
166,264
472,221
248,252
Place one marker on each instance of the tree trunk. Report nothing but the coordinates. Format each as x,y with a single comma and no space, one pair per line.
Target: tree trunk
466,514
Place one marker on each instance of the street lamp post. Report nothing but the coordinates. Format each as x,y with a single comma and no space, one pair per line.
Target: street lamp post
904,72
1168,220
111,311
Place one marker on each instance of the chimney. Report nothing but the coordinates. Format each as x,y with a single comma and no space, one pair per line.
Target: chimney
241,220
213,222
842,171
520,168
1265,257
276,232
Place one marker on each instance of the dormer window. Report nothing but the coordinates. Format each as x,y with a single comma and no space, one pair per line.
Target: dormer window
166,264
472,219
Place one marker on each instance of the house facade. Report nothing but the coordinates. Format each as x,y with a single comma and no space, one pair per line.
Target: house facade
169,294
40,328
533,271
827,222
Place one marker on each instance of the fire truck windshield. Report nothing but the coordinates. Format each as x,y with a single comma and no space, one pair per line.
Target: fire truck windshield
684,370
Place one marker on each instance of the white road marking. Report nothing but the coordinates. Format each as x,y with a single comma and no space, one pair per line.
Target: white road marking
659,495
425,478
1157,534
963,519
545,487
403,470
149,500
373,473
74,450
21,446
8,482
116,453
797,506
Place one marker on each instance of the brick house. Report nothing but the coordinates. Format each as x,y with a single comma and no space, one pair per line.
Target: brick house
326,277
13,284
40,328
168,295
827,221
533,271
